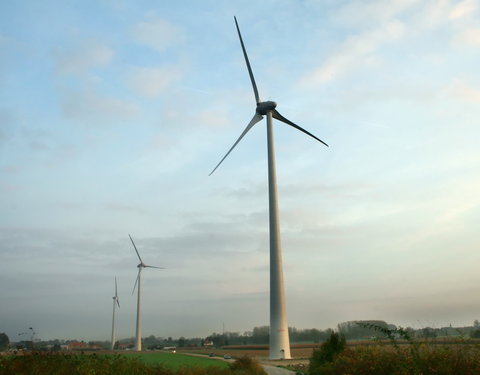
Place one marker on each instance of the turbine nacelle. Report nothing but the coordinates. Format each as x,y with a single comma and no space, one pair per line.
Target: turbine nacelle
264,107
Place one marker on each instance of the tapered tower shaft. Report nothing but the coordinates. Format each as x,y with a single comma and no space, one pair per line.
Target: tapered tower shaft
279,339
113,323
138,334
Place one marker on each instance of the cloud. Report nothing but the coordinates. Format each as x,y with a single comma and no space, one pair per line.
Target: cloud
215,117
293,191
462,9
356,52
158,34
469,36
88,54
87,105
390,22
151,82
461,90
366,13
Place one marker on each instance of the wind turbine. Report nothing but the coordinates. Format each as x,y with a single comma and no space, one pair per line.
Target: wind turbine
115,302
279,340
138,334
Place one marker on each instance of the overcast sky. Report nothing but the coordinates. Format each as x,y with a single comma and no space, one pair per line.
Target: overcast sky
113,113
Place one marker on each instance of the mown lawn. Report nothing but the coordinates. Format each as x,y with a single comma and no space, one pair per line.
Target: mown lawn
176,361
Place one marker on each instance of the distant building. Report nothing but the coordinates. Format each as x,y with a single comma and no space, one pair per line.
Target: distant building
81,345
208,343
77,345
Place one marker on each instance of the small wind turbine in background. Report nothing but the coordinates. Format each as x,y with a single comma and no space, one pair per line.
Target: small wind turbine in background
141,265
279,340
115,304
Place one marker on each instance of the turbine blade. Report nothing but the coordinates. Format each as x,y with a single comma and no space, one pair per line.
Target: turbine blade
133,243
162,268
256,118
136,281
255,91
118,303
279,117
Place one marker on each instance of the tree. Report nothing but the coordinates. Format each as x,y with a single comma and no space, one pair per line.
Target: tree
4,341
362,329
261,335
475,334
181,342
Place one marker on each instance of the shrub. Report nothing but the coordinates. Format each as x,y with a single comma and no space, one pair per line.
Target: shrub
426,359
320,363
247,366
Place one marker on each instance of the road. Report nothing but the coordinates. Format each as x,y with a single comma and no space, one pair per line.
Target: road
272,370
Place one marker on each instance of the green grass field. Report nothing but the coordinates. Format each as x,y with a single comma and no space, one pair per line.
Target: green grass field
176,361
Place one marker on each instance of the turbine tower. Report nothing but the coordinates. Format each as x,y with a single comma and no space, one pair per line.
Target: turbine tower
115,302
138,330
279,340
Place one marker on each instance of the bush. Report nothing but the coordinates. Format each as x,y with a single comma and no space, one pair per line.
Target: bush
426,359
247,366
320,363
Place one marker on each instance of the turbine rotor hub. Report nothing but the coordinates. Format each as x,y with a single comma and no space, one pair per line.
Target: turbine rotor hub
264,107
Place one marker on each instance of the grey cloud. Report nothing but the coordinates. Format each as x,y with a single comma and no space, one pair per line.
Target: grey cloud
125,208
288,191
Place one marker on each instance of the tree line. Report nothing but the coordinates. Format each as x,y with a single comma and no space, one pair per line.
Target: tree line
351,330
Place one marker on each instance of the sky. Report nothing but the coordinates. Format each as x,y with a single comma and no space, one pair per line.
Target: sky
113,113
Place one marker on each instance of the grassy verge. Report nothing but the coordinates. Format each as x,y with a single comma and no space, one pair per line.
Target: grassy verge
176,361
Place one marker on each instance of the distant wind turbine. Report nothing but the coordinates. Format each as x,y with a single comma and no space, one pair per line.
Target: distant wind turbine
138,334
279,340
115,303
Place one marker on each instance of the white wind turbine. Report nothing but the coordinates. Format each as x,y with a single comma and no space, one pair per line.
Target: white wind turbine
138,331
279,340
115,303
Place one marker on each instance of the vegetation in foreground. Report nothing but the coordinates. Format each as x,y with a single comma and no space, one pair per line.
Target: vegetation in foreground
78,364
334,358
